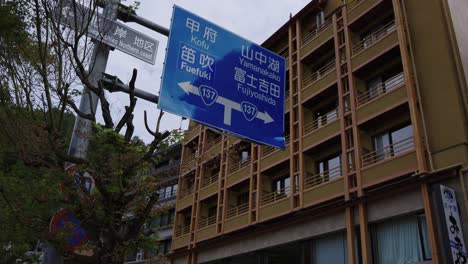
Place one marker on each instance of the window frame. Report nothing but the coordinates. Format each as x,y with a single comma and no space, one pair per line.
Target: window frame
380,153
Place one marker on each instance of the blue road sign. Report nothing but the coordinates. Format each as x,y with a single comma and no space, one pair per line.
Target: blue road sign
223,80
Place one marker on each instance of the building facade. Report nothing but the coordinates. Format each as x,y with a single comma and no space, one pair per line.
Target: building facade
376,129
167,172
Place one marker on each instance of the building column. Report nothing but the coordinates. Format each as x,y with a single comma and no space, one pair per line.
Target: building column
431,225
350,234
364,234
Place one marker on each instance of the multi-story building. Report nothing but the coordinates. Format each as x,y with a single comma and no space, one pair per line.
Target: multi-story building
167,173
376,114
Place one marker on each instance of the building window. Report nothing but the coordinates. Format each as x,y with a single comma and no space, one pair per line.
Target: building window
320,19
243,198
163,248
330,167
375,86
245,156
168,191
140,255
175,187
170,218
164,219
393,142
330,249
326,114
403,240
281,186
383,84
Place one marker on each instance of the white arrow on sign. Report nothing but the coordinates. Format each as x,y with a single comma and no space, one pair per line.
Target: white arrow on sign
228,104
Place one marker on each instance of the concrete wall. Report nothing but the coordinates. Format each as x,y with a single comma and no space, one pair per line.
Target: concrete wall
398,204
458,13
438,81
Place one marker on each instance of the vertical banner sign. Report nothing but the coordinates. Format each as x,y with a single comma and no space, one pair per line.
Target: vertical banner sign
223,80
454,228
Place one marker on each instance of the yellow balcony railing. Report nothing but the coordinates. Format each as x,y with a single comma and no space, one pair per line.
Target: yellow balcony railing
212,143
188,163
317,179
268,150
390,84
209,180
239,165
235,211
285,54
318,74
315,31
353,3
271,197
182,230
374,37
185,192
207,221
387,152
321,121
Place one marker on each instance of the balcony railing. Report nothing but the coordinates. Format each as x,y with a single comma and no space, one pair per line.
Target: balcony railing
315,31
213,143
321,121
239,165
188,163
235,211
207,221
317,75
209,180
268,150
185,192
390,84
271,197
387,152
182,230
375,37
191,129
354,3
285,54
317,179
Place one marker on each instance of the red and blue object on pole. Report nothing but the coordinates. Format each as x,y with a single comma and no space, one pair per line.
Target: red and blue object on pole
66,224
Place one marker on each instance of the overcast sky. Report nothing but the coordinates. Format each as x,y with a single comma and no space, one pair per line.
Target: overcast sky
255,20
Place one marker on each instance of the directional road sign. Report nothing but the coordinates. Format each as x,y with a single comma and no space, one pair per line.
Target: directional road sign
112,33
223,80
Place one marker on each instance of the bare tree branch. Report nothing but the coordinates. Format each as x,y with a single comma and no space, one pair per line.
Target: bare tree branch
130,128
133,100
78,112
105,107
147,127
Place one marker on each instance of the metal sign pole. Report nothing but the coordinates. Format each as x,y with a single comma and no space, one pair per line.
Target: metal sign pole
82,130
88,104
89,101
